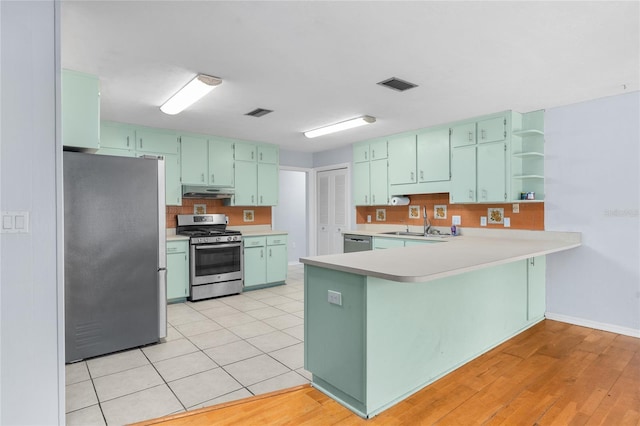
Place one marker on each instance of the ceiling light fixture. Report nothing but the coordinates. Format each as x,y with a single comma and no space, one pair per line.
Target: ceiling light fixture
189,94
344,125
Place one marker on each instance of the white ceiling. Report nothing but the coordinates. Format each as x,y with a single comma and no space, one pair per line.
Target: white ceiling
317,62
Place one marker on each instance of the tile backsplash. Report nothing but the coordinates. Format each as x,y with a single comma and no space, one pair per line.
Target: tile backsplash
531,215
261,215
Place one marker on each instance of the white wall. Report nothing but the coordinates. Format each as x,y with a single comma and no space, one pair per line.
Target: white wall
333,156
296,159
592,186
31,339
291,212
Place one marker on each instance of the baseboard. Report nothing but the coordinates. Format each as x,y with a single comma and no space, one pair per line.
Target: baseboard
593,324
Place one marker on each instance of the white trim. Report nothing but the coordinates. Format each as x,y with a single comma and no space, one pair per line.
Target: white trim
626,331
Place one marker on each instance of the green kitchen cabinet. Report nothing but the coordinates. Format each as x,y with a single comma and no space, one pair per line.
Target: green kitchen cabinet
265,261
80,111
463,135
157,141
268,154
491,173
361,153
402,159
117,136
116,152
246,175
277,259
221,152
463,175
195,165
361,183
378,149
379,185
177,270
267,184
255,261
433,155
245,152
387,243
492,130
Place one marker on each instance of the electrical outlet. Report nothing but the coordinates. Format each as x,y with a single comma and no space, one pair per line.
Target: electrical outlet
483,221
335,298
507,222
368,218
515,208
456,220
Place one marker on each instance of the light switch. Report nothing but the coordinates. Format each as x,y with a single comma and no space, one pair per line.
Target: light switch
335,298
507,222
483,221
15,222
19,222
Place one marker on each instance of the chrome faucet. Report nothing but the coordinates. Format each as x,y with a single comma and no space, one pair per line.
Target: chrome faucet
427,223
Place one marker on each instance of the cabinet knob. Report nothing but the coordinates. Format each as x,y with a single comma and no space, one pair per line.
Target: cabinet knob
470,136
212,178
373,154
201,177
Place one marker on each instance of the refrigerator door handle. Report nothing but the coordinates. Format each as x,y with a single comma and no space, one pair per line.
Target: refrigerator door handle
162,302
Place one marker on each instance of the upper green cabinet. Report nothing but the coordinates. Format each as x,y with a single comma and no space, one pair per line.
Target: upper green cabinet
433,155
402,159
255,175
156,140
195,160
479,166
80,111
221,153
117,136
371,186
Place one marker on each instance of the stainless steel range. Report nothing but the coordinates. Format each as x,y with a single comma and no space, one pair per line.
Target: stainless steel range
216,262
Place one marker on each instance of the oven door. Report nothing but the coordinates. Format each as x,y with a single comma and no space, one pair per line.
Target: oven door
211,263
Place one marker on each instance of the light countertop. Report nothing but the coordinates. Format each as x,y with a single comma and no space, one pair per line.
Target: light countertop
260,233
452,256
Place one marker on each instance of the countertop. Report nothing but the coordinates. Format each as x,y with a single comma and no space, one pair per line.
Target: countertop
454,255
260,233
177,238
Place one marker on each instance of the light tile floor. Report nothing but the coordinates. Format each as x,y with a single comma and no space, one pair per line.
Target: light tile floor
217,350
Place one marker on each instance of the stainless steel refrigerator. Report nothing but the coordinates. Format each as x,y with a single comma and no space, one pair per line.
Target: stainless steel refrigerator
114,253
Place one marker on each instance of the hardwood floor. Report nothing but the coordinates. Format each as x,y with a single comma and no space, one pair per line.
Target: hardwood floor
552,374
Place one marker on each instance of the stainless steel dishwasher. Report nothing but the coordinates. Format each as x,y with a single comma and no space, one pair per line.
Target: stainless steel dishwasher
354,243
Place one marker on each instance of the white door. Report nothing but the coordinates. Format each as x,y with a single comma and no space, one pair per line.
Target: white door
332,209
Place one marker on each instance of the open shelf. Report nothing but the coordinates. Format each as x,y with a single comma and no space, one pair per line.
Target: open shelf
527,132
528,154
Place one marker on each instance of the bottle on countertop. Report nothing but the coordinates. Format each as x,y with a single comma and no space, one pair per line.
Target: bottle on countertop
454,230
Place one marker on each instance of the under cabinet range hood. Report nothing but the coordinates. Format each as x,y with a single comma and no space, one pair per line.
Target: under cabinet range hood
211,192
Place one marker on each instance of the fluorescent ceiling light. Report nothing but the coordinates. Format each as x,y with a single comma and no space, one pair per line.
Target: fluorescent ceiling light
349,124
189,94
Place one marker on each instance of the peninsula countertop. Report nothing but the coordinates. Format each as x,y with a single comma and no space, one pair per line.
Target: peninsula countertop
452,256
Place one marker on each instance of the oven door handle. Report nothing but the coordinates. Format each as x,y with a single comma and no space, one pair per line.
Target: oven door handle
213,246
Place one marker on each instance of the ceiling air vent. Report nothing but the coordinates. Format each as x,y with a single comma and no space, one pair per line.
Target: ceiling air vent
259,112
397,84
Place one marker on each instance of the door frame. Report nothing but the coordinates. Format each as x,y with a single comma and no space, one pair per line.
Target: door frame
309,174
313,202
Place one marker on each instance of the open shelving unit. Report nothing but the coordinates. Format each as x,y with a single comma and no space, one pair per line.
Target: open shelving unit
527,157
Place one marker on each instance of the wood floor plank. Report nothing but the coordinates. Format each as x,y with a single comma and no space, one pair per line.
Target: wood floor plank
551,374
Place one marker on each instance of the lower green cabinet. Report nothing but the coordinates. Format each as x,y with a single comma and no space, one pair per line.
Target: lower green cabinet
177,270
265,261
386,243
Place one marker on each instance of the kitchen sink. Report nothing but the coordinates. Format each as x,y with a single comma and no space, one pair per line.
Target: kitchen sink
415,234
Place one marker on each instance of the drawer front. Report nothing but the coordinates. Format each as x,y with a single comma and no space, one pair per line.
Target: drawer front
177,246
254,241
276,240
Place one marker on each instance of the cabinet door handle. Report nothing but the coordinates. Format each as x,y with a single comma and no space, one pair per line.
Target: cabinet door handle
366,199
365,155
260,156
484,194
373,198
252,155
140,142
373,154
261,199
483,134
213,177
127,141
201,177
421,174
252,198
471,194
470,136
270,255
412,175
261,253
